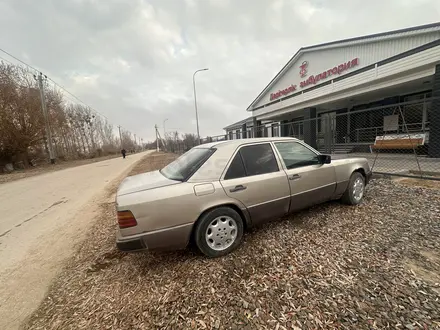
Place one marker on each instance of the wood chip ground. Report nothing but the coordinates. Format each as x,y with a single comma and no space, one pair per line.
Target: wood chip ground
374,266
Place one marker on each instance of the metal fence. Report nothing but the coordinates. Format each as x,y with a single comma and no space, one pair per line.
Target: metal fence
395,138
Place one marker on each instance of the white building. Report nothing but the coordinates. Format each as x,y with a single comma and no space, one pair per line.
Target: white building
346,92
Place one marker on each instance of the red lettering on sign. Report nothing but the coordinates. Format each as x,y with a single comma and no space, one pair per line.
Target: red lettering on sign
285,91
341,68
313,79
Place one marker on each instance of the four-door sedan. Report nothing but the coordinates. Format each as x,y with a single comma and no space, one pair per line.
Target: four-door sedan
215,191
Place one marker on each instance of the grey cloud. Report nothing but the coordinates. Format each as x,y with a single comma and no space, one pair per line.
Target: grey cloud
134,60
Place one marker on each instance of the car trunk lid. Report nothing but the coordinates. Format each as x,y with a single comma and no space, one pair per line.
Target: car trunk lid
144,181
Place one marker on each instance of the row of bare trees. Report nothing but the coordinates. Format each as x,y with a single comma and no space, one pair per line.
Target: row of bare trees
76,131
178,143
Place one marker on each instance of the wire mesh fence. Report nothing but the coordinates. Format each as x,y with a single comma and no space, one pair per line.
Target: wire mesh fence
181,145
397,139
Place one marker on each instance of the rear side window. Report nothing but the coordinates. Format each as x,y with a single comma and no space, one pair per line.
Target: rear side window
252,160
236,169
259,159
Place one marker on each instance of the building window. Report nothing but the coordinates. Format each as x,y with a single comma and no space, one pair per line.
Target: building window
276,130
416,115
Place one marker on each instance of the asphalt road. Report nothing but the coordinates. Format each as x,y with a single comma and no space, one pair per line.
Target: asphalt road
41,220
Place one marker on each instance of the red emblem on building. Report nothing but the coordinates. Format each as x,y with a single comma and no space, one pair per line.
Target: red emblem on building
303,69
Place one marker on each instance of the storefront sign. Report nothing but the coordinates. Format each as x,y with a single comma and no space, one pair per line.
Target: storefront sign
314,79
303,69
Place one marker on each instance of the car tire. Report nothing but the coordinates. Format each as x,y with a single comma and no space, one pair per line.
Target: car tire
218,232
355,191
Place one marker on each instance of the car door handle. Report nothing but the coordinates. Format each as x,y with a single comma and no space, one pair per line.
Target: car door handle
237,188
294,177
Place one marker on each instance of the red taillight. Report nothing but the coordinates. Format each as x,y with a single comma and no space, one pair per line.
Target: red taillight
126,219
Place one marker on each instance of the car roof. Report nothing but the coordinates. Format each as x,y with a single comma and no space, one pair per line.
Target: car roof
239,142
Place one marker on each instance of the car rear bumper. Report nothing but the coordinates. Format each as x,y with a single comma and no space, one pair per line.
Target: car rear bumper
173,238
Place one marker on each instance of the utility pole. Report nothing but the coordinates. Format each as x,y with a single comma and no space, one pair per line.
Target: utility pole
157,138
46,118
120,136
91,132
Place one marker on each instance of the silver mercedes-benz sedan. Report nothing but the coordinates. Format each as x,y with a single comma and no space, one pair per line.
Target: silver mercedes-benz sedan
215,191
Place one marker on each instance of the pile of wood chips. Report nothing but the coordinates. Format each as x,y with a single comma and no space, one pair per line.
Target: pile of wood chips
374,266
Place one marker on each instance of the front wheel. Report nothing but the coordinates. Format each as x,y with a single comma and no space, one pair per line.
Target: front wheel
218,232
355,190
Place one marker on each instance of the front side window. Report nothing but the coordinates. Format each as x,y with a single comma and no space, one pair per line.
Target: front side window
186,165
295,155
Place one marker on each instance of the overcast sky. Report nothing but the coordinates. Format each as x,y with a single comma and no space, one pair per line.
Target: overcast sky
133,60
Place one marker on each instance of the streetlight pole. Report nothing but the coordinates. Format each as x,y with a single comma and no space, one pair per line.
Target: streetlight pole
164,132
157,138
195,101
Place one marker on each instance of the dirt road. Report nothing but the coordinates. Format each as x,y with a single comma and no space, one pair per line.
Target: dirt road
42,218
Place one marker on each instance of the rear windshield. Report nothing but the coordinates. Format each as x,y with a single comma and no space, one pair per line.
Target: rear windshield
185,166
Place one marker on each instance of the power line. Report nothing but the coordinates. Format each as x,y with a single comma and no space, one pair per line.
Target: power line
16,58
77,98
54,82
6,60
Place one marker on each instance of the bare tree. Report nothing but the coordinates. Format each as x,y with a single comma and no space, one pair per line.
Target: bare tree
127,142
21,120
76,130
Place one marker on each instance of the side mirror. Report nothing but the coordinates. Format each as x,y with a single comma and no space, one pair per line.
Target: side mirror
325,159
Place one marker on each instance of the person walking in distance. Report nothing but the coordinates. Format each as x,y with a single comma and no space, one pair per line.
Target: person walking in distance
123,152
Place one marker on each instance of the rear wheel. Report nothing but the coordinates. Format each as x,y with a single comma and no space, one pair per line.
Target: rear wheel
355,189
218,232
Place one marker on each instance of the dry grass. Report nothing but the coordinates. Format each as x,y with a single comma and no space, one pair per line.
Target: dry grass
154,161
329,267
